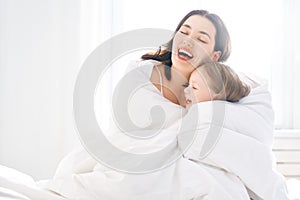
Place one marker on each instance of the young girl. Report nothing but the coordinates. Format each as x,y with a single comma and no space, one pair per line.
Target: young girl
214,81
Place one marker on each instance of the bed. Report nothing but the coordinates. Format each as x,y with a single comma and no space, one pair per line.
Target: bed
286,148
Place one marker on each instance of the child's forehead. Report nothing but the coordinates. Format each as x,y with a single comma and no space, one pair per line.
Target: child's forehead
197,75
199,70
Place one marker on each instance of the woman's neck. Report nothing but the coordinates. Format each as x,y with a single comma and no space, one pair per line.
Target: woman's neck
176,83
171,89
181,74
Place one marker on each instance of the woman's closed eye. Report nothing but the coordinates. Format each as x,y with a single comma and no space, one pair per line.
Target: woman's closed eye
203,41
183,32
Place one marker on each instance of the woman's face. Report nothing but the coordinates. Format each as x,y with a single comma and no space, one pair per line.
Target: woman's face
193,44
197,90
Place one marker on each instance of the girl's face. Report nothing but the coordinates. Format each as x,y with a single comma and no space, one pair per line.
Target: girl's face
193,44
197,90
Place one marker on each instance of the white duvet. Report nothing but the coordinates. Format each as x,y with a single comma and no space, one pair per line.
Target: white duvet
233,161
244,144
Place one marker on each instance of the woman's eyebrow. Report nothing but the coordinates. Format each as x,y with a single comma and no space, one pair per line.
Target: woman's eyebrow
204,33
186,25
201,32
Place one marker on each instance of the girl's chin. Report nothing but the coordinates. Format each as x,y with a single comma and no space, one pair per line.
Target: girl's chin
188,106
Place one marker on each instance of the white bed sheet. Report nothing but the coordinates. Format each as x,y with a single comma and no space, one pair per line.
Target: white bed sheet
293,186
15,185
7,194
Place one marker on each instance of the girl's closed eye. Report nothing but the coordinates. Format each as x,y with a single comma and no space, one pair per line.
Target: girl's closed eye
195,86
185,85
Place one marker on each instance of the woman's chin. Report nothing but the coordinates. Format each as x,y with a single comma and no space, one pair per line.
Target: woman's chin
183,65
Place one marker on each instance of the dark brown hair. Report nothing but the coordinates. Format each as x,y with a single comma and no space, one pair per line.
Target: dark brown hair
222,41
223,82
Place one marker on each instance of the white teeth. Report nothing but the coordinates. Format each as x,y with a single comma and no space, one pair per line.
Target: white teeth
185,52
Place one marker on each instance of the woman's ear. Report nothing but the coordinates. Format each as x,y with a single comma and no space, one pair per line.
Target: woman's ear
216,56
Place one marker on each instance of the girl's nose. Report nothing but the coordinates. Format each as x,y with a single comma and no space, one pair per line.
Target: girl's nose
186,90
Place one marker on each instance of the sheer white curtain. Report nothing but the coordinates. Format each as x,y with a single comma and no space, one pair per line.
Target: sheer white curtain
42,45
286,66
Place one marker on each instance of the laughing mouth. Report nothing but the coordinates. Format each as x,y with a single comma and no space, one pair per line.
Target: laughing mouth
185,54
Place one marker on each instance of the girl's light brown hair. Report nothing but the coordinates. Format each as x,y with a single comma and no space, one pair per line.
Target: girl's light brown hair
223,82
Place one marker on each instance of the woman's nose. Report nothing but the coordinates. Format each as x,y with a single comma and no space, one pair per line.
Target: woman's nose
188,41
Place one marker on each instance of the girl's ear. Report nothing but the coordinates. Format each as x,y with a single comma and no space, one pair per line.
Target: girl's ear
216,56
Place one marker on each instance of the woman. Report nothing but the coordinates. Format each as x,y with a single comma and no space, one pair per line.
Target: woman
200,36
